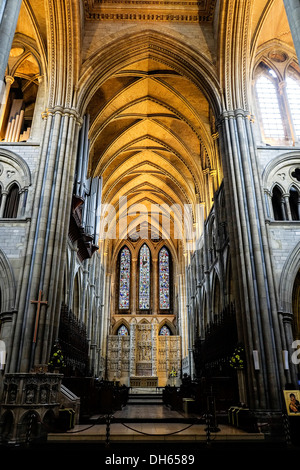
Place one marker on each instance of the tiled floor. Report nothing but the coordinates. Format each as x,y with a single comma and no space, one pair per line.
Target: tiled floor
147,412
124,428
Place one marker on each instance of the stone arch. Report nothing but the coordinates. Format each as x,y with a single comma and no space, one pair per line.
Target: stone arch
168,324
76,295
287,279
29,424
283,161
118,324
7,284
10,161
7,425
216,294
148,44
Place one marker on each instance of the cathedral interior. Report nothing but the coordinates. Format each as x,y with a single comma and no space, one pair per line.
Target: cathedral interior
149,204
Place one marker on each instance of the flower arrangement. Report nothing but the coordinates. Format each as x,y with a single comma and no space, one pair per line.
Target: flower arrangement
237,360
57,358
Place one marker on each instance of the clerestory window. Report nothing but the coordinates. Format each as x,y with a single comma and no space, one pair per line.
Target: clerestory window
278,105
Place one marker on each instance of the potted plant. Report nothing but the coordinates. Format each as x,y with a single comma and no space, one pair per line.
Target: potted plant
56,362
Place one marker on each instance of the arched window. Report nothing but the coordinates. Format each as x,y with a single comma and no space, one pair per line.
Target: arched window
124,292
293,94
12,202
269,108
144,278
164,279
294,201
278,98
123,331
277,203
165,331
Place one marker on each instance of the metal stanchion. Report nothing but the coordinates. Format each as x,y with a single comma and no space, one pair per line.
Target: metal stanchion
108,421
211,409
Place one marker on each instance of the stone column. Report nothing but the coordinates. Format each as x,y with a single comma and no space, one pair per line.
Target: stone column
45,256
258,324
286,199
8,25
269,206
155,293
132,359
291,372
8,80
3,202
292,8
154,334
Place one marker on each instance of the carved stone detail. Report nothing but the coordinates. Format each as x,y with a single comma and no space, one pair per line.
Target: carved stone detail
143,354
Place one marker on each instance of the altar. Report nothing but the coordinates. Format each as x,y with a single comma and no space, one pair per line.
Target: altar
144,382
143,357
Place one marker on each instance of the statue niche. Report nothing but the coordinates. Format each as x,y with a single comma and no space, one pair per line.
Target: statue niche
144,350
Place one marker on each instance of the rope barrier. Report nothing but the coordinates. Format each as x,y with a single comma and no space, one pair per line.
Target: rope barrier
168,434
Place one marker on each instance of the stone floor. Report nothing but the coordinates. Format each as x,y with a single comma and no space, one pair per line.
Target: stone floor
155,422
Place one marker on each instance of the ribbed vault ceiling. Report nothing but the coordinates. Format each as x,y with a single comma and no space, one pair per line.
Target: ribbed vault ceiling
149,135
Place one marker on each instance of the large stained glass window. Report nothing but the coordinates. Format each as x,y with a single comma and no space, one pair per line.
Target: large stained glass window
144,278
124,294
164,279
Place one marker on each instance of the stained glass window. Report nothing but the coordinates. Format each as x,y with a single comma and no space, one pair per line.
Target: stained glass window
122,331
165,331
144,278
124,296
164,279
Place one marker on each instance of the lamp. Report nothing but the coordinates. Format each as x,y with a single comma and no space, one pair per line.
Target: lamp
256,360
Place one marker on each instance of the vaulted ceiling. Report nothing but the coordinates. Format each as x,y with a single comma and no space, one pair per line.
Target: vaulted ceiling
150,132
152,135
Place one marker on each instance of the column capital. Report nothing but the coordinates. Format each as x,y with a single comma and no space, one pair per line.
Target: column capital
9,79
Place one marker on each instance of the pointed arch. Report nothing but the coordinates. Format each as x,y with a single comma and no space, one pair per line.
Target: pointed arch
287,280
122,330
11,207
294,201
164,276
277,203
216,297
7,284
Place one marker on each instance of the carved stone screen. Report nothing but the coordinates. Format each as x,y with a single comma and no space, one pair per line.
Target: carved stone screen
144,356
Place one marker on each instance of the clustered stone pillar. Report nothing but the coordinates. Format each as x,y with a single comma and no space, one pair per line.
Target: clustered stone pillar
45,254
10,14
257,316
292,8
